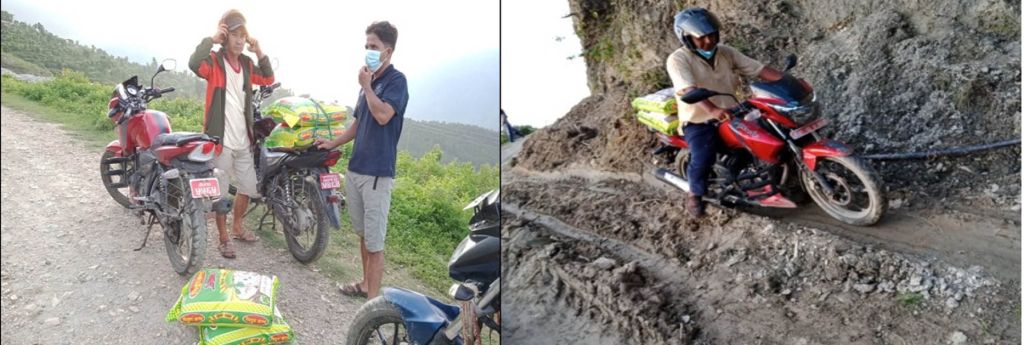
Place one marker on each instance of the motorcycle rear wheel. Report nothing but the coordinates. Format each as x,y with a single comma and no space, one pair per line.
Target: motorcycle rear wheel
858,198
378,322
120,195
306,243
185,239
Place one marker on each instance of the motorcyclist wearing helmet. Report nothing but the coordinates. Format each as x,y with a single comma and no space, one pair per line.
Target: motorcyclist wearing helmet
703,62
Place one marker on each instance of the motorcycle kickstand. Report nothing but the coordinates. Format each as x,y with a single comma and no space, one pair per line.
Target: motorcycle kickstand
152,220
273,224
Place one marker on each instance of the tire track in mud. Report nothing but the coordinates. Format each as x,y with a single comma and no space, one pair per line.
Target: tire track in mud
70,276
748,279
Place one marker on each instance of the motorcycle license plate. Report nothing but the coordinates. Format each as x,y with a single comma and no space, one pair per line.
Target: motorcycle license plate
808,128
330,181
205,187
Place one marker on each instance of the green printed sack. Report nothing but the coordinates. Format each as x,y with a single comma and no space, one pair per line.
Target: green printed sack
660,122
281,136
663,101
219,297
304,112
279,333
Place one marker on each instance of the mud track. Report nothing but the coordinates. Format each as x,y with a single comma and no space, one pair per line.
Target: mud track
923,276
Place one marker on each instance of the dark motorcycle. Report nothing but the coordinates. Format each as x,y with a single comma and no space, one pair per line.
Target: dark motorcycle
297,188
400,316
163,174
774,155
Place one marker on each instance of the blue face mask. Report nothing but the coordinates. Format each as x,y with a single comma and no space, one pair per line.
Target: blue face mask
707,54
373,60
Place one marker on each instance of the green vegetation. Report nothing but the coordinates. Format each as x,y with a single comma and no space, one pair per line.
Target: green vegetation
524,130
426,221
459,142
911,299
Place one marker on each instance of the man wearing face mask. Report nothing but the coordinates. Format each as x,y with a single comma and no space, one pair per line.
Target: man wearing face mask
229,78
704,63
371,171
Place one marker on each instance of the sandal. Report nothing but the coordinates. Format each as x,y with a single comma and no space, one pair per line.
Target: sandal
247,236
352,289
226,250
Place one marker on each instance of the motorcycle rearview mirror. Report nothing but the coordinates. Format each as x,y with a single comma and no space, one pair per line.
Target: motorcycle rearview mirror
697,95
790,62
166,65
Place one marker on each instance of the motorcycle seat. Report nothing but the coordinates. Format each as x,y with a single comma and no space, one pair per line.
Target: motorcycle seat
180,138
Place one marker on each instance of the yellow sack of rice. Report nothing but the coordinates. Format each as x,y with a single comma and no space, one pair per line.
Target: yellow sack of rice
279,333
221,297
663,101
660,122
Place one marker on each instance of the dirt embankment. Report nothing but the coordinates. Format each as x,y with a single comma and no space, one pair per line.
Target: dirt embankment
70,275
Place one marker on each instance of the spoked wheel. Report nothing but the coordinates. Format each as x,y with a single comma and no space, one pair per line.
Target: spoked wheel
300,208
857,191
378,322
185,238
114,173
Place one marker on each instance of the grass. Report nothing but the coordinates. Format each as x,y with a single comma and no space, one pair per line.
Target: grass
911,299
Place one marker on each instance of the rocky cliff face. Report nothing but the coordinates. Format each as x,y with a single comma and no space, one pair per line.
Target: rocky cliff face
894,76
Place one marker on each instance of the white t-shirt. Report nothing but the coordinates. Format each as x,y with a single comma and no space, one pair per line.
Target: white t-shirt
686,69
235,135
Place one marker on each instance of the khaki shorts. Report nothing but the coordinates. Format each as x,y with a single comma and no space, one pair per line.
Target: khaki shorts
236,166
368,199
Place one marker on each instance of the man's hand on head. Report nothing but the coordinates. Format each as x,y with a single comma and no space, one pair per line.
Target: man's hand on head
254,46
220,35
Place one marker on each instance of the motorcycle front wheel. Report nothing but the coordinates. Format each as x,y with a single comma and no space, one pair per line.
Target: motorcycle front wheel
378,322
300,209
118,188
857,197
185,238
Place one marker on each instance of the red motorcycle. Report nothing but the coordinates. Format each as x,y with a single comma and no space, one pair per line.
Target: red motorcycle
165,175
773,155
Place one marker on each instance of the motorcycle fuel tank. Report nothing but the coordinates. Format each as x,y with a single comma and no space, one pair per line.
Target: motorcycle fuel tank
142,129
748,134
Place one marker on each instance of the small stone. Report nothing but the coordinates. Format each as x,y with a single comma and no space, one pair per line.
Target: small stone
14,297
686,318
957,338
53,321
133,309
787,292
54,301
30,307
864,288
984,70
951,303
134,295
604,263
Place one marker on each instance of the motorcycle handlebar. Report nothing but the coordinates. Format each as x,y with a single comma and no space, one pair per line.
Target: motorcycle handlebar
167,90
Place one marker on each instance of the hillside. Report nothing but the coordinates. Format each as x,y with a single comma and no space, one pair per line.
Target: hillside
459,142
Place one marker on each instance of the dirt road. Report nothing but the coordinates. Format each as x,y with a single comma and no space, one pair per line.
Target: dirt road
615,254
70,276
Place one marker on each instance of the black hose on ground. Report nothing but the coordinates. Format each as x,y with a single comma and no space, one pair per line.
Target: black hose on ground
956,151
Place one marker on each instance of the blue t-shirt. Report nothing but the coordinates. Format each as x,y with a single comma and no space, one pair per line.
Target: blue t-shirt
376,146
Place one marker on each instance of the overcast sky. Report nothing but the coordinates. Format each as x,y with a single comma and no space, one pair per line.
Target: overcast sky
319,44
538,83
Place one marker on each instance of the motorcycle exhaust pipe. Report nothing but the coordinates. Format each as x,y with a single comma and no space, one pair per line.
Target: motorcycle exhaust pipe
672,178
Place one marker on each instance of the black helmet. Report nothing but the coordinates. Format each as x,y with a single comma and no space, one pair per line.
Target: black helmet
695,22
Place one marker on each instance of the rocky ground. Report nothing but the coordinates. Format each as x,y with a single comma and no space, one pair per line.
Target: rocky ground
70,276
618,259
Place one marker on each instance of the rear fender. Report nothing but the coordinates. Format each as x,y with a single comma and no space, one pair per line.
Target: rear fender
423,316
824,148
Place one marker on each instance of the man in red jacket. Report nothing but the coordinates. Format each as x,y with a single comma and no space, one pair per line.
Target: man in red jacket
230,76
